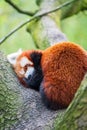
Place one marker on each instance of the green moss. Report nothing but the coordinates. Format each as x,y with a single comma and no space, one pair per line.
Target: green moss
10,99
38,33
9,105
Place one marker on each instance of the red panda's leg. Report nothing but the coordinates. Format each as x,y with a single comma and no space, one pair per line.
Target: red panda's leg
49,102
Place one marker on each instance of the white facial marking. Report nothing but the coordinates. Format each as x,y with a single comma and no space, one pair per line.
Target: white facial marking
22,72
29,71
30,63
12,57
24,61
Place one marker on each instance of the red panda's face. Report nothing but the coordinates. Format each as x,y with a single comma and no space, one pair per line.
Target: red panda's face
23,67
27,66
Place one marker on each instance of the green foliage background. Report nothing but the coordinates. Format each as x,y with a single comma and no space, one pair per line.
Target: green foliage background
74,27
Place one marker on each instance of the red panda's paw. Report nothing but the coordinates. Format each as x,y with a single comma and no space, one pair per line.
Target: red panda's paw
48,102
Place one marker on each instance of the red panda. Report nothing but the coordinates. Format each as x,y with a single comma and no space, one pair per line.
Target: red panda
55,72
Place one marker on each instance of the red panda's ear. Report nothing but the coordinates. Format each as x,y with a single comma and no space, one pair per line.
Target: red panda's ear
13,56
36,57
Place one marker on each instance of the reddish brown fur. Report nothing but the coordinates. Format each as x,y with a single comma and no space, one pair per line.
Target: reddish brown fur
64,66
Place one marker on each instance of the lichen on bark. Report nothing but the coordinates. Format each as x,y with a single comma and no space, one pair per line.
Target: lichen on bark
10,99
46,30
75,117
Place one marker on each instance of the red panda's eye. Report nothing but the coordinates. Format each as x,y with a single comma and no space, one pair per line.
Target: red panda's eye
25,68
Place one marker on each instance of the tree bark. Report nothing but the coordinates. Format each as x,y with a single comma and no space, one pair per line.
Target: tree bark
73,8
75,117
46,30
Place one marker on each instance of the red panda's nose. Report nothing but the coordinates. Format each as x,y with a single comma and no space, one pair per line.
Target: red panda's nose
29,77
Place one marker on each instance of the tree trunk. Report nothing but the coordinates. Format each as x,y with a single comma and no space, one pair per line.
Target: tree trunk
21,108
71,9
75,117
46,30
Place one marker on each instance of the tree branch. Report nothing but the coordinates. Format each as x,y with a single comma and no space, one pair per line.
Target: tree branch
33,18
18,9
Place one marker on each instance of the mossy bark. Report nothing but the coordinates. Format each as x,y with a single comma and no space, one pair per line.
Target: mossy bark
46,30
10,98
71,9
75,117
